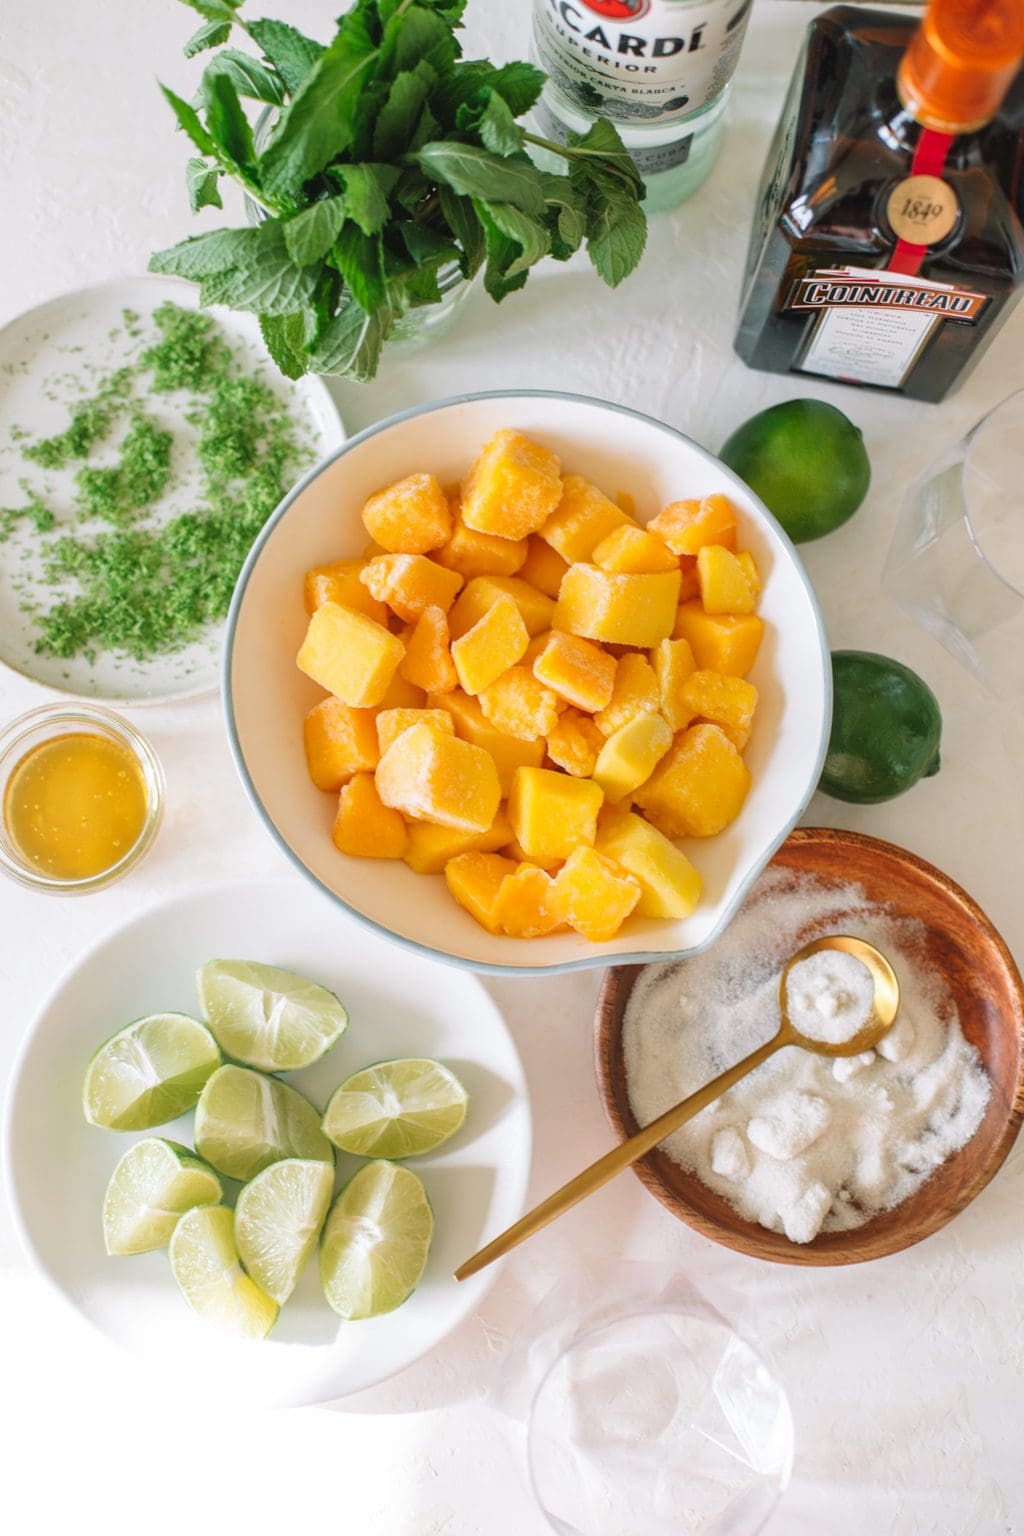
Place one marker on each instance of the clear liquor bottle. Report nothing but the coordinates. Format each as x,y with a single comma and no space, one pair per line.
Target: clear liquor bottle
659,69
887,244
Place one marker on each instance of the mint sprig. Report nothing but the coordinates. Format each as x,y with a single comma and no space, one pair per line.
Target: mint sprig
389,159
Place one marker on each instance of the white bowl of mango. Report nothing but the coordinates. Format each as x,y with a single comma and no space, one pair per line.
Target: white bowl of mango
529,682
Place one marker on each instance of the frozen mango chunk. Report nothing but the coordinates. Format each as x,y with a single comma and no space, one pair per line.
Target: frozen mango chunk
473,553
686,526
725,586
392,722
552,813
720,642
519,705
364,826
725,701
428,660
402,695
634,552
475,879
574,743
508,752
635,693
594,895
524,907
339,742
543,567
496,642
698,788
627,610
689,584
339,583
577,670
749,565
410,584
673,663
512,488
430,847
433,777
410,517
669,884
630,756
583,517
350,655
483,591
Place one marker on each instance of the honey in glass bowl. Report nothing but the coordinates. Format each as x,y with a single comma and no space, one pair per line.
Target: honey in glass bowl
82,798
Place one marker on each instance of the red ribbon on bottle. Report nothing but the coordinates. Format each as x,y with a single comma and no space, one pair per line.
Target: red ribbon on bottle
929,160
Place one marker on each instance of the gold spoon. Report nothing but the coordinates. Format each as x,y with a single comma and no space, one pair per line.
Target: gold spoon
880,1019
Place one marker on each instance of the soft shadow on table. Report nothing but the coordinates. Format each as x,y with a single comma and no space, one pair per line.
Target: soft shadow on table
490,1098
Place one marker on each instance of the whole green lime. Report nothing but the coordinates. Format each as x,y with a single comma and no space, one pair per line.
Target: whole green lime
806,461
886,729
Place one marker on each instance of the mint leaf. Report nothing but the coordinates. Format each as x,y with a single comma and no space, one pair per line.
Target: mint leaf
498,128
201,180
501,253
317,126
310,234
460,216
571,221
215,10
397,119
203,255
227,123
601,143
616,230
291,54
478,173
188,120
284,336
427,246
366,193
518,84
265,279
351,343
248,76
416,34
360,260
214,33
530,235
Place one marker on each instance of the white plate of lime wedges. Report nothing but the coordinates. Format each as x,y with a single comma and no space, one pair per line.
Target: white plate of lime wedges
399,1006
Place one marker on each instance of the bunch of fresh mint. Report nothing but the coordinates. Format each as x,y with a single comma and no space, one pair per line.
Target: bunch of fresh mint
389,159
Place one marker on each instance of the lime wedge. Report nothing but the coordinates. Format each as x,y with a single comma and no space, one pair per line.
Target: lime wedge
152,1185
376,1241
278,1219
396,1109
266,1017
148,1073
245,1121
204,1261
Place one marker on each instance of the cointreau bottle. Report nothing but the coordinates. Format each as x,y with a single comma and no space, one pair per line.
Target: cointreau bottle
887,244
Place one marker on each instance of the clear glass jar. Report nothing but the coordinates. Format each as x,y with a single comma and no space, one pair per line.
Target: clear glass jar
45,724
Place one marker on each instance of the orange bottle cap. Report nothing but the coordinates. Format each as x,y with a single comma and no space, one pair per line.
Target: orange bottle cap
961,62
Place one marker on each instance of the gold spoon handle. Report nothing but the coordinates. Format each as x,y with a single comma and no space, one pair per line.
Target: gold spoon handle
614,1161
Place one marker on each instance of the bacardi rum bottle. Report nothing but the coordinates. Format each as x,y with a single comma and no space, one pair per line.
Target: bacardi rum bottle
887,244
659,69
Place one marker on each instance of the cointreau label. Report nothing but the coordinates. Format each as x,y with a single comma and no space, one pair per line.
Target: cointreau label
873,325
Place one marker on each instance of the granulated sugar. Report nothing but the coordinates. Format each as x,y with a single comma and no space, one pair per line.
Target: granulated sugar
829,996
804,1143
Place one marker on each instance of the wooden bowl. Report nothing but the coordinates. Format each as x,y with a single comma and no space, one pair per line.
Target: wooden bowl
963,946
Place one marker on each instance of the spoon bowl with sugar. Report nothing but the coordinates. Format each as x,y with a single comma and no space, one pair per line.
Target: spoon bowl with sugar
838,996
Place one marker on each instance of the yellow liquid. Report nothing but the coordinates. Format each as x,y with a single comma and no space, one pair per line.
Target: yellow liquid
75,805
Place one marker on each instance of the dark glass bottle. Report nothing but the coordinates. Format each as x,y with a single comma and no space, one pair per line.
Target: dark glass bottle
887,243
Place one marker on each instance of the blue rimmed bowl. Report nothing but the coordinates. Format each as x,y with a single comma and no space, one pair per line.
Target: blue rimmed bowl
266,697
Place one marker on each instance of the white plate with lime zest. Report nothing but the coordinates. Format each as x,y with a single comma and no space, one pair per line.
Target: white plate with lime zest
52,359
399,1005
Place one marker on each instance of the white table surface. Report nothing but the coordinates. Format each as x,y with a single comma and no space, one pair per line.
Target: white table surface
905,1376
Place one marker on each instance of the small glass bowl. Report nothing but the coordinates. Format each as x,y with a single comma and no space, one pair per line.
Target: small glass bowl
42,725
